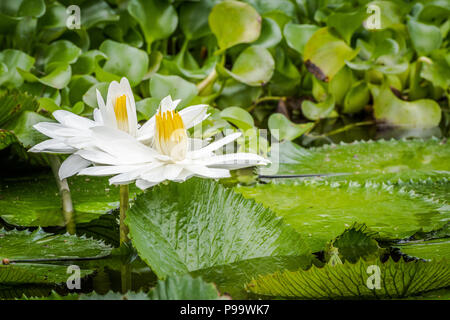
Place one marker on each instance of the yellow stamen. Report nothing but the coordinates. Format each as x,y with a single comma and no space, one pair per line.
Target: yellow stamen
120,109
170,134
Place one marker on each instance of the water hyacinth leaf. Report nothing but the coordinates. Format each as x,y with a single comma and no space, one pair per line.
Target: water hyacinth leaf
34,201
425,38
124,60
175,86
24,245
13,59
58,75
234,22
380,161
95,12
239,117
90,97
86,62
346,23
270,34
397,280
147,107
320,211
194,18
217,215
157,18
23,8
283,129
236,93
389,109
184,287
434,250
356,98
341,84
61,51
384,15
320,110
78,86
325,54
297,35
437,70
254,66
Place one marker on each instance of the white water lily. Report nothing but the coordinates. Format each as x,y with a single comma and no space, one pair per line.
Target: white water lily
170,156
72,132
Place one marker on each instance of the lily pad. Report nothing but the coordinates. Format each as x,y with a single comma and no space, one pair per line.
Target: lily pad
182,227
34,200
434,250
320,210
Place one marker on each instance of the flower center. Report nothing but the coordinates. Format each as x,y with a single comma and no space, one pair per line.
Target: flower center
120,109
170,135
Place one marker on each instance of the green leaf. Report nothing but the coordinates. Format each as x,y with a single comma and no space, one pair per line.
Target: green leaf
86,62
58,75
234,22
325,54
238,94
434,250
25,245
341,84
283,129
124,61
148,107
397,280
239,117
437,70
356,98
320,110
297,35
13,103
194,18
436,188
270,34
90,97
157,18
162,86
96,12
184,288
6,138
425,38
346,23
321,210
357,242
22,127
215,226
13,59
34,201
61,51
379,161
425,113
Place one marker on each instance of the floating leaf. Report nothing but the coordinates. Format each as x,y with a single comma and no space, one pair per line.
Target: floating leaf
213,226
425,113
34,201
434,250
321,210
397,280
234,22
283,129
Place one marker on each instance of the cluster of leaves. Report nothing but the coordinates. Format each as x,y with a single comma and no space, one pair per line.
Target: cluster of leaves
318,59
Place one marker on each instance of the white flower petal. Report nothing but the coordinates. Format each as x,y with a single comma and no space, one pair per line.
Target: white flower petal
106,170
72,165
235,161
52,146
167,104
193,115
72,120
206,172
98,118
56,130
100,157
128,177
206,151
143,184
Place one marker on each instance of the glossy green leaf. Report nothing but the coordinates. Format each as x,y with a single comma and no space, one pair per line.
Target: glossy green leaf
13,59
13,103
346,23
178,88
425,113
283,129
356,98
22,126
157,18
61,51
270,34
425,38
325,54
124,61
297,35
90,96
239,117
194,18
397,279
320,110
434,250
234,22
34,201
224,223
320,211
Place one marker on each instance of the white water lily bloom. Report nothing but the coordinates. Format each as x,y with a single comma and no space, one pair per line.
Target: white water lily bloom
169,158
72,132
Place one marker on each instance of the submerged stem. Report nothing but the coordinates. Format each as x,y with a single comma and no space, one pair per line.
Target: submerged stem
124,190
64,191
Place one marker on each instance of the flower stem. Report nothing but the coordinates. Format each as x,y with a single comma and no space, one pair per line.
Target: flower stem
207,81
64,192
124,191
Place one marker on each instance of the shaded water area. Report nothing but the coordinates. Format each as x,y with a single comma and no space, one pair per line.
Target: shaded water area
107,271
